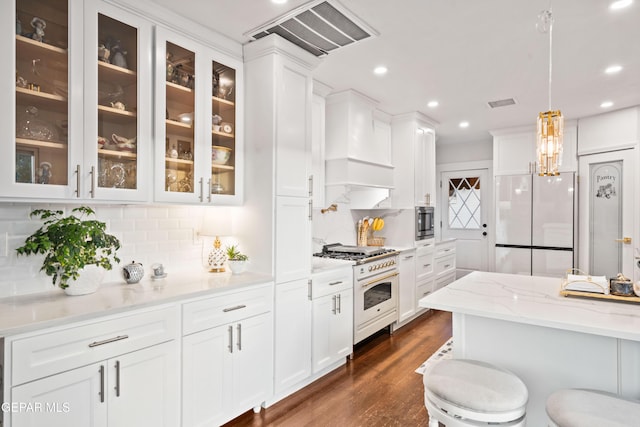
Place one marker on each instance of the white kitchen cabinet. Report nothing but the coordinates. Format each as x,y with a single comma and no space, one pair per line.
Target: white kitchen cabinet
112,372
332,332
413,137
226,355
407,286
198,125
225,371
293,242
317,148
514,150
444,260
293,327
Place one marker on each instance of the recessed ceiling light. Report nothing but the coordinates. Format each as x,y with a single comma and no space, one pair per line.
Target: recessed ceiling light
279,1
606,104
464,124
432,104
612,69
380,70
620,4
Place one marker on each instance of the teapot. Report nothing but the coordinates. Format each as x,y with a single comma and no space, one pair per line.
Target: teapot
133,272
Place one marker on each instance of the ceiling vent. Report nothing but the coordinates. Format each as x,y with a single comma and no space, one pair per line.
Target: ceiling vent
501,103
318,27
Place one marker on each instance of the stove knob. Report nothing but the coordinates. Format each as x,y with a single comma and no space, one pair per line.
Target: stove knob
370,268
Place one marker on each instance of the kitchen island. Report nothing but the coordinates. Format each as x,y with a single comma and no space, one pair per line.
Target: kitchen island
522,323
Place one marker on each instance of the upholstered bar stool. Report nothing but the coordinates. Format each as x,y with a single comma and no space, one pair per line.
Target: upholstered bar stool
591,408
464,393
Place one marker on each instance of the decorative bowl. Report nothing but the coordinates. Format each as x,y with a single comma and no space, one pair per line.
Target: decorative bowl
220,155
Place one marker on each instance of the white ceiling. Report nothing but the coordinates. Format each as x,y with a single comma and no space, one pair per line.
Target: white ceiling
465,53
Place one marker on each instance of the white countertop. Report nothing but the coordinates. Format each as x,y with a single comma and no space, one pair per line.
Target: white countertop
535,301
28,312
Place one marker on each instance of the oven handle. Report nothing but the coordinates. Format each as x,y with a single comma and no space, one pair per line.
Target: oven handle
380,278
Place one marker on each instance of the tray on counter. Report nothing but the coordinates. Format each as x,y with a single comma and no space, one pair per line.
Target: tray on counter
587,279
595,295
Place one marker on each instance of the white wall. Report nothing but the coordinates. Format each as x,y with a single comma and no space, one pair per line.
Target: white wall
464,151
148,234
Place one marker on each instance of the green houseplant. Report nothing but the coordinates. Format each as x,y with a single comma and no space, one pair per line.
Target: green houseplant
71,245
237,260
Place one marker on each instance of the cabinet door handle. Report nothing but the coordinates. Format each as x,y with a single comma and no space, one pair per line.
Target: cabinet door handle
239,336
237,307
202,189
310,210
230,346
309,288
78,178
310,185
339,303
335,283
333,307
101,384
93,182
109,340
117,387
209,193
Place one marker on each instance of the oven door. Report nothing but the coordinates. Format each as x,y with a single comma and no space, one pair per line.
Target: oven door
375,303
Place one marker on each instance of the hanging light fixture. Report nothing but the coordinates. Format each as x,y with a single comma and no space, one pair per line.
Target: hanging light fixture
550,127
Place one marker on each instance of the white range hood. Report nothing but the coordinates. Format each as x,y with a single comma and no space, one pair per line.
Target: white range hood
358,151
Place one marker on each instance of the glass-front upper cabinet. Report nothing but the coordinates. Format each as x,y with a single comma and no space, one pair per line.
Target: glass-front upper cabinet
38,39
118,104
198,149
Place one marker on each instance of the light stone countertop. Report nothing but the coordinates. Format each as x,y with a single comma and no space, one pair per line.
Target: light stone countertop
35,311
535,301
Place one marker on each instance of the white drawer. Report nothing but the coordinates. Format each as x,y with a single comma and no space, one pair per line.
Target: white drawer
423,289
443,281
447,248
215,311
55,350
332,281
424,265
445,264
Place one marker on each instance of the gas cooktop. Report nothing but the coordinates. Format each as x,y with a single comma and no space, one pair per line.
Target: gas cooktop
360,254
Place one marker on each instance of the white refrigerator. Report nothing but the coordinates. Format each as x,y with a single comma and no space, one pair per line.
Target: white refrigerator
535,224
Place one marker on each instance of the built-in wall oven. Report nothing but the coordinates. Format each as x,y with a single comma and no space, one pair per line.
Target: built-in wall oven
424,222
375,287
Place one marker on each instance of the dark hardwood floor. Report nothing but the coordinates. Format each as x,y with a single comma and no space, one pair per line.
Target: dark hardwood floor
377,388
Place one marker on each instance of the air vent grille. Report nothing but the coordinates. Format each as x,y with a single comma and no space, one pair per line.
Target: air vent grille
318,27
501,103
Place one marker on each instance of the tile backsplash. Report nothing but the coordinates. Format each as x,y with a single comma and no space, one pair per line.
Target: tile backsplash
148,234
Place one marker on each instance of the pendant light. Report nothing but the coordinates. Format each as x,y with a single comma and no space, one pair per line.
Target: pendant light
550,128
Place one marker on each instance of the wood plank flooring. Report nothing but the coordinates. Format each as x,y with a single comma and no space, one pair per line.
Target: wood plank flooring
377,388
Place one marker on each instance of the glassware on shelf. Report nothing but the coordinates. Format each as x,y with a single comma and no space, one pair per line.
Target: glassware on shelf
44,173
29,126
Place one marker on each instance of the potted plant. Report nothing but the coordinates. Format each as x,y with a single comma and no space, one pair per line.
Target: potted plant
237,260
77,250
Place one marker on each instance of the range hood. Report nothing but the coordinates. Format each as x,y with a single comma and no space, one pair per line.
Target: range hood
357,150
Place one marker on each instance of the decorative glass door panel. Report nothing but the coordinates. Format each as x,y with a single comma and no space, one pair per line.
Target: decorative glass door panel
42,87
223,140
117,104
464,203
180,119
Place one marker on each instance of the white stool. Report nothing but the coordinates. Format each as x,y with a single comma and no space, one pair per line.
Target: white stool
463,393
591,408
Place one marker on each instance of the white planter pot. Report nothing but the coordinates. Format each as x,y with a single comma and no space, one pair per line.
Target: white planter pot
90,278
237,267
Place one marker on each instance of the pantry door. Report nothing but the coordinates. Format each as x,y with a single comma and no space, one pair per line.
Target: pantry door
464,213
606,215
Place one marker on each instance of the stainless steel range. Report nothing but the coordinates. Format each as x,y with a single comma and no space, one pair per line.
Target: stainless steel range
375,287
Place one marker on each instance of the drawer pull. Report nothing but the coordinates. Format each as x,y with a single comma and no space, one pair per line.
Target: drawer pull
335,283
117,387
426,293
237,307
101,384
427,265
447,250
110,340
447,266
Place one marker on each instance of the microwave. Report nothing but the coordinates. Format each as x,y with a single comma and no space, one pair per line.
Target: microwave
424,222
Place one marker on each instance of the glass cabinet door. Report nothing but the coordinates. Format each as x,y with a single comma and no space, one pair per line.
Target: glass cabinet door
180,119
118,86
223,139
42,93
